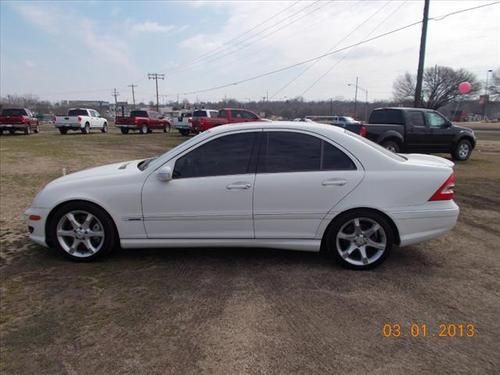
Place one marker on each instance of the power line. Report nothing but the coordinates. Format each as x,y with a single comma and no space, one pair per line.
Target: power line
133,93
335,46
334,52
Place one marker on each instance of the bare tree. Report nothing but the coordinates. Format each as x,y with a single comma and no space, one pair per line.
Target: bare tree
440,86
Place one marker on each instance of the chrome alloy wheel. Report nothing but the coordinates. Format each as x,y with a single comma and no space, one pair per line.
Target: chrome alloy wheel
361,241
463,150
80,233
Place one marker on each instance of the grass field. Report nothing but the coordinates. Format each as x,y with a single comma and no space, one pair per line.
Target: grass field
251,311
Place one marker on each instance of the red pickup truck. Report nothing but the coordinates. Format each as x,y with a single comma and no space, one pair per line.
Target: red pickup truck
143,121
18,119
225,116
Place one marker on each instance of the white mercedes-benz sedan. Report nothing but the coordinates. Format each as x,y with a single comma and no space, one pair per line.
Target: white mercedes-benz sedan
288,185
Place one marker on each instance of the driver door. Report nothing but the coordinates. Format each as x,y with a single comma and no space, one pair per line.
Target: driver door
210,193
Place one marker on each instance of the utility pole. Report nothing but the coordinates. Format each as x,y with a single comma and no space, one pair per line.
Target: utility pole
116,94
331,107
156,77
421,57
133,93
356,99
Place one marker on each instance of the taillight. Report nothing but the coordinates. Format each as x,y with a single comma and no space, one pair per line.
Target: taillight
79,118
362,131
445,191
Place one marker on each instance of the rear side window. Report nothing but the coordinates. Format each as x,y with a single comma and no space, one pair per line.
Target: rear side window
78,112
200,114
222,113
416,118
386,116
227,155
14,112
248,115
283,152
138,114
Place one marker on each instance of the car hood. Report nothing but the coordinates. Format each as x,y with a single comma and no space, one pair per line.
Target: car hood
429,160
463,128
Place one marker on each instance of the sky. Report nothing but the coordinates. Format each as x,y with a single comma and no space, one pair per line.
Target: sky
83,50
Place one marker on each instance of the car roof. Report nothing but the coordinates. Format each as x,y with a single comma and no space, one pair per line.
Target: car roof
292,125
407,108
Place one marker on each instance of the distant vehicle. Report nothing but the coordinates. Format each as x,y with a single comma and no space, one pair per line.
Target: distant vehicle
342,121
286,185
18,119
182,122
224,116
419,130
142,121
83,119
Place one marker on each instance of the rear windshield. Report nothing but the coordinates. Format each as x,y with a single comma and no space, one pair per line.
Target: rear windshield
13,112
376,146
138,114
200,114
77,112
386,116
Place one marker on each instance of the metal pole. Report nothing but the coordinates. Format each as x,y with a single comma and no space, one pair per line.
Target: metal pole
331,107
356,99
486,91
366,105
133,93
421,57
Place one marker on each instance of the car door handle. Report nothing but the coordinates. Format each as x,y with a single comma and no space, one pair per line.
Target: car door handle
239,186
334,182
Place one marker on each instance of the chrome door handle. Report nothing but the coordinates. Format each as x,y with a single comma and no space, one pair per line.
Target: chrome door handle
238,186
334,182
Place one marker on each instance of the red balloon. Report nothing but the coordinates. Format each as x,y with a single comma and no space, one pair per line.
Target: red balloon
464,87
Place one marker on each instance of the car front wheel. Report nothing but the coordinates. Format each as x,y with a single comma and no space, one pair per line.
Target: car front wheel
82,231
391,146
124,130
144,129
360,239
104,128
462,150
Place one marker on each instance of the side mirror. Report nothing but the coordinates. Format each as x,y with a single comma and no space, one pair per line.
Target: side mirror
448,124
164,173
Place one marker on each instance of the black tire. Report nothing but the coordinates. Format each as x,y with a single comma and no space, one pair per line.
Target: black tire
108,228
63,131
1,131
462,150
392,146
86,128
12,131
104,128
165,129
27,130
124,130
144,129
37,129
334,245
184,132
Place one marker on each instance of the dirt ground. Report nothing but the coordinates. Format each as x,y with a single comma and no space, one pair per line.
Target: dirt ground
241,311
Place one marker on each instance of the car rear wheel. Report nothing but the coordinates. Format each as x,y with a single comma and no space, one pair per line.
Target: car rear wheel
104,128
82,231
144,129
184,132
124,130
462,150
360,239
86,128
12,131
391,146
63,131
37,129
27,130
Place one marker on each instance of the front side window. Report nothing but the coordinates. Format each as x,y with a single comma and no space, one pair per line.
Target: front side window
283,152
434,120
227,155
416,118
248,115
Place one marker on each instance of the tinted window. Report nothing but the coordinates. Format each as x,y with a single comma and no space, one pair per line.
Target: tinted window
434,120
13,112
138,114
296,152
222,113
78,112
200,114
226,155
386,116
416,118
237,114
248,115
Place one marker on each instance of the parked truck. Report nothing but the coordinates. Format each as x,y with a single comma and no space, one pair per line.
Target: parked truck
142,121
418,130
18,119
224,116
83,119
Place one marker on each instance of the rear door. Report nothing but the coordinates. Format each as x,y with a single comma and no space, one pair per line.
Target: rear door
418,134
300,178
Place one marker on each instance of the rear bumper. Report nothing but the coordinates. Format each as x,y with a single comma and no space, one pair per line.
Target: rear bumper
36,228
13,126
69,126
426,222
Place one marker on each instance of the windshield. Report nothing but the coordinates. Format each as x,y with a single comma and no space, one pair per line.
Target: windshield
77,112
349,119
200,114
376,146
13,112
139,114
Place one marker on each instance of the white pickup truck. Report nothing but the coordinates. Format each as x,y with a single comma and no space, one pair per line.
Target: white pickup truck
82,119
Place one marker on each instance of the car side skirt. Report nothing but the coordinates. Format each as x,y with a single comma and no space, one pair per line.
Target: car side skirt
288,244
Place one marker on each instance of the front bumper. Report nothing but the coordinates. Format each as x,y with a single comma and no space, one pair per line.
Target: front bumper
13,126
36,228
425,222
